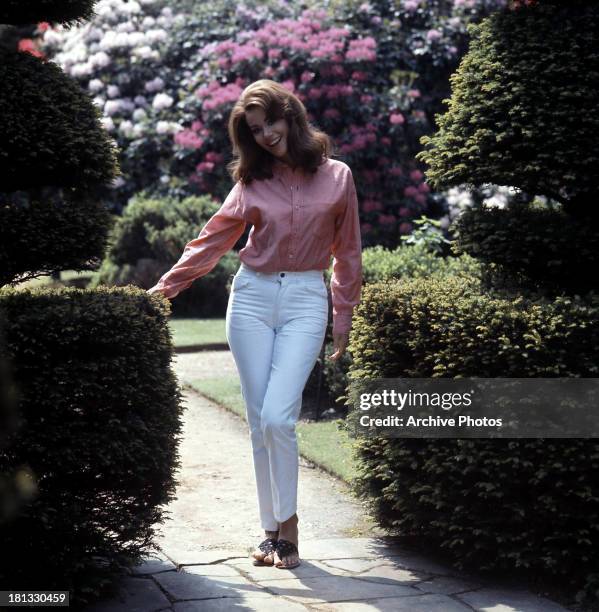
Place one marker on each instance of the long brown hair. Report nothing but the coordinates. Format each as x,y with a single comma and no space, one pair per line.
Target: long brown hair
307,146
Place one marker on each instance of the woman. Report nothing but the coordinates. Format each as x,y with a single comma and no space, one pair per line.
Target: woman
303,208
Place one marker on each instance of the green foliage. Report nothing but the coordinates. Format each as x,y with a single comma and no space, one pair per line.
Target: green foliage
51,131
149,238
66,12
494,504
414,261
46,230
543,249
522,111
417,259
99,418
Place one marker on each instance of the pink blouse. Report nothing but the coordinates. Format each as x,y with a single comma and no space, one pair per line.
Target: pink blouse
298,221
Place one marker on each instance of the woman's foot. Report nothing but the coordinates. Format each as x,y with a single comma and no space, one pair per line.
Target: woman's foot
266,556
288,556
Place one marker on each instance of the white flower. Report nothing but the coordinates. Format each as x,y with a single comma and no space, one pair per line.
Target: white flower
143,52
113,91
127,105
52,38
140,101
81,70
99,101
131,7
167,11
136,39
112,107
154,85
162,101
107,123
125,26
139,114
138,130
148,22
100,59
95,85
126,128
119,181
162,127
153,36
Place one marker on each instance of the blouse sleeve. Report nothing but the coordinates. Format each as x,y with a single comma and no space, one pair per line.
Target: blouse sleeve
346,278
218,236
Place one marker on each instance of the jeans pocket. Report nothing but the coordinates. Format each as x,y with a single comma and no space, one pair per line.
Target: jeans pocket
239,282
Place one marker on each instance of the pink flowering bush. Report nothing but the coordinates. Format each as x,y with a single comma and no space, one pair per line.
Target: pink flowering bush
372,77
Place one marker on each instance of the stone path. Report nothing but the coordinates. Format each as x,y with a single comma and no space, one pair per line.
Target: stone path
203,561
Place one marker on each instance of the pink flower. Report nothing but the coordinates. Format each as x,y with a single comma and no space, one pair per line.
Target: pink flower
365,228
410,192
432,35
307,76
414,93
366,99
420,198
42,26
371,205
396,171
289,84
404,212
386,141
332,113
424,188
188,139
396,118
386,219
416,175
205,167
273,53
405,227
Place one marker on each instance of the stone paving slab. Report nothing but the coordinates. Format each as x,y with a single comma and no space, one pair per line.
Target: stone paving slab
187,584
239,605
504,600
422,603
333,588
135,595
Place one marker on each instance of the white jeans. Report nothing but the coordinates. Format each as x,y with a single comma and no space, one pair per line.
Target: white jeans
275,327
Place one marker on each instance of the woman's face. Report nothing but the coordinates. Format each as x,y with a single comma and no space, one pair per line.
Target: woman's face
270,136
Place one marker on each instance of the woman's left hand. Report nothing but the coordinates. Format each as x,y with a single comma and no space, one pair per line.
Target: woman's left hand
340,342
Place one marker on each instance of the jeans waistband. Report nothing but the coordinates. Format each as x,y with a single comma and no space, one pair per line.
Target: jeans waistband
305,274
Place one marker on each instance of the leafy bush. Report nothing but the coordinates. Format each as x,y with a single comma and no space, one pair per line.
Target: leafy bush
99,418
32,11
43,231
494,133
493,504
149,238
50,126
559,254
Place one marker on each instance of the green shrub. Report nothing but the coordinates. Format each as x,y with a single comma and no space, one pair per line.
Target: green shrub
521,111
494,504
46,230
543,249
100,414
412,260
51,131
33,11
150,237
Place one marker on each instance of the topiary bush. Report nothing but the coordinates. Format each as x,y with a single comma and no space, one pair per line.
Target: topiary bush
100,417
49,124
149,238
521,111
65,228
64,11
493,504
561,254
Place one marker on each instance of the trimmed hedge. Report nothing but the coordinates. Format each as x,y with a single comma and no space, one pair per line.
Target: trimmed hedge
51,131
20,12
150,237
559,254
522,109
494,504
47,230
100,415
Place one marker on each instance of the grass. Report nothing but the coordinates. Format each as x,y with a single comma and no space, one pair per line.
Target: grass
321,442
193,332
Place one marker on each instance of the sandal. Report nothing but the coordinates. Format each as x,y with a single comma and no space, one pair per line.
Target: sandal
266,546
283,549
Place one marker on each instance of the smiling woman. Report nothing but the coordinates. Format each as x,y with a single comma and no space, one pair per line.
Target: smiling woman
304,208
